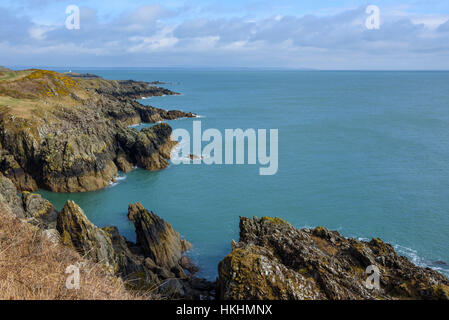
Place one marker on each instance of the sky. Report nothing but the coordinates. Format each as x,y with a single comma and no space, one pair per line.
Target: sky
293,34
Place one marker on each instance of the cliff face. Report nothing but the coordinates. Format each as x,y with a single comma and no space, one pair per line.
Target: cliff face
273,260
69,134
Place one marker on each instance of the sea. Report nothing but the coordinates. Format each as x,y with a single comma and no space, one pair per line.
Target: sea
365,153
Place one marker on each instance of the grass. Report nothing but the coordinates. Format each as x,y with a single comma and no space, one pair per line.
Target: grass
33,268
10,75
28,93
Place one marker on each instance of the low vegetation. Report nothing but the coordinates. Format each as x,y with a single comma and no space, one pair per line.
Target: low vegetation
34,268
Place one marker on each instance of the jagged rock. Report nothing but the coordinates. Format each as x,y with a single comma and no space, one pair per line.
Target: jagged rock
186,245
78,232
273,260
150,264
176,114
124,163
9,194
39,208
187,264
158,240
152,146
132,267
151,114
131,89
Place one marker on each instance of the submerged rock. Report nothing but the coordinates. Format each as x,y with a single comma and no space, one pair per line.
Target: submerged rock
274,260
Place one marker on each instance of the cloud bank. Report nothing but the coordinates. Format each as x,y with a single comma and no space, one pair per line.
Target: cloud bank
154,35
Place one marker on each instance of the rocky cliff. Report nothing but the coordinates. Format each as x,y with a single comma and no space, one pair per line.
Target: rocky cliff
153,263
71,134
274,260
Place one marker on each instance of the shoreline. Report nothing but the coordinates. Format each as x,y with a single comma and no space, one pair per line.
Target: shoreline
96,147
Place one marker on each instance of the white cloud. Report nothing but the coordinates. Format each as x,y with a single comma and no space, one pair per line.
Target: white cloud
154,33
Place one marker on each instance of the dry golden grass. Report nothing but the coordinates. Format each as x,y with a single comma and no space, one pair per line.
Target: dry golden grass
33,268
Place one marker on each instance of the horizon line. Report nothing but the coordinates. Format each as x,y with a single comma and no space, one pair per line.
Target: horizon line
229,68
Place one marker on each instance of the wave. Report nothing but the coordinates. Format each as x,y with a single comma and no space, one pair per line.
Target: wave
414,257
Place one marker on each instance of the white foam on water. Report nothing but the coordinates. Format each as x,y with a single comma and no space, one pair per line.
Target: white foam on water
175,152
417,260
412,255
118,179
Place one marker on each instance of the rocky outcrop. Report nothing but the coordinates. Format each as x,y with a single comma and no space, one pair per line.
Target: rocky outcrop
274,260
157,238
149,148
71,134
9,196
12,170
131,89
29,207
153,263
40,210
90,241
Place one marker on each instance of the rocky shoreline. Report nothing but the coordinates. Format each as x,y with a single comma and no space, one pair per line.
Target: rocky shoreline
73,135
274,260
70,133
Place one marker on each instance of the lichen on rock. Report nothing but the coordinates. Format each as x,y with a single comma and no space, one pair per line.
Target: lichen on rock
79,233
157,238
274,260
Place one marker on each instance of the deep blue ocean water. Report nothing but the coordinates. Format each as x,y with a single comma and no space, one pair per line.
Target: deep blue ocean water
364,153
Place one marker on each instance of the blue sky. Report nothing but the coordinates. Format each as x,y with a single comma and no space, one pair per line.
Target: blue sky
321,34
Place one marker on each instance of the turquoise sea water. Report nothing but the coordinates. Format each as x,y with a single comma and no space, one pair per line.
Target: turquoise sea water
364,153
